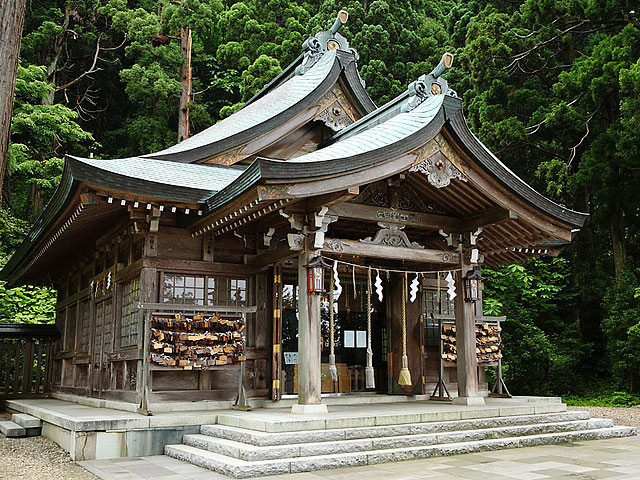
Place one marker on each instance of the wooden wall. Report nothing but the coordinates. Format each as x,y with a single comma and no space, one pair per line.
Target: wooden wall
92,358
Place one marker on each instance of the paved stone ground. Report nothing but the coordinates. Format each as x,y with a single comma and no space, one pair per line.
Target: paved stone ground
615,458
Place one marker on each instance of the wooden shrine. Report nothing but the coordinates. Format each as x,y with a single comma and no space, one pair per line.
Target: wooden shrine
175,268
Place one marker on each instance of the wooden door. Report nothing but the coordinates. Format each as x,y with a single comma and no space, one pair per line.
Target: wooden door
102,343
415,339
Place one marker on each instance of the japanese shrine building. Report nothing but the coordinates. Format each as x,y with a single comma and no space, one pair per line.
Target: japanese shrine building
227,221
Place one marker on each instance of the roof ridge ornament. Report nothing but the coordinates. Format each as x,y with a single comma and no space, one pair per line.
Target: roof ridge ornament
314,47
430,84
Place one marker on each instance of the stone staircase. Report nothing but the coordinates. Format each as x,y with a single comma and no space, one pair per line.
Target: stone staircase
21,425
242,448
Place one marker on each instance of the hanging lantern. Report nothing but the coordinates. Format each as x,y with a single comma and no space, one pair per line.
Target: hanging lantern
315,276
472,285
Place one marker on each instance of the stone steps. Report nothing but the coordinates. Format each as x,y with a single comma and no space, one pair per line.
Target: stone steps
243,453
259,438
405,414
238,468
12,429
251,453
21,425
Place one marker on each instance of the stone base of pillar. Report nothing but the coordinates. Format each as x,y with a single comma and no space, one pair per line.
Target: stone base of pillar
468,401
315,409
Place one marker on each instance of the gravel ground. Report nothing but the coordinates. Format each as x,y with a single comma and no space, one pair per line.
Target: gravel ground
629,417
37,458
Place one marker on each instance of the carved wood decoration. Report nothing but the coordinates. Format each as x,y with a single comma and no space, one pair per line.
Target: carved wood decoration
396,195
392,235
413,254
335,117
229,157
438,170
439,162
335,110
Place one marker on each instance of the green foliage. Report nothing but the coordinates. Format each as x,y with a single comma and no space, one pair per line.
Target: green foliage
543,348
622,326
41,133
26,304
614,399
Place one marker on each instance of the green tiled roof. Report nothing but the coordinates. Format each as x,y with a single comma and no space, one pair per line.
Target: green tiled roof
248,121
206,177
393,130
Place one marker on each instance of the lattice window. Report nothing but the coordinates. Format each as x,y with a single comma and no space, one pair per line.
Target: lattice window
201,290
130,313
431,302
185,289
234,291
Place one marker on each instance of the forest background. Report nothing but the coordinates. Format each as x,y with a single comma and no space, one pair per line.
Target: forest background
551,87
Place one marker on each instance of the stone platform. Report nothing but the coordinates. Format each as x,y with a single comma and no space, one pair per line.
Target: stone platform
88,432
357,430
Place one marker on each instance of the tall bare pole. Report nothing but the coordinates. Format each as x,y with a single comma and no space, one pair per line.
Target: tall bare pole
185,79
11,22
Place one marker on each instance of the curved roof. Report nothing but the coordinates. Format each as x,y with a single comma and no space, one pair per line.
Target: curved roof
152,178
132,171
279,102
394,130
374,141
376,146
496,168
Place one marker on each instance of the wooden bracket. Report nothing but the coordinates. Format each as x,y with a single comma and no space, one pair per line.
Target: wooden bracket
267,237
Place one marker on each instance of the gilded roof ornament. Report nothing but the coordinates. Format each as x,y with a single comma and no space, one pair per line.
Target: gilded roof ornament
430,84
314,47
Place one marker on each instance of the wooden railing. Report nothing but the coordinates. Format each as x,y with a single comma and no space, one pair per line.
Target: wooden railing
25,359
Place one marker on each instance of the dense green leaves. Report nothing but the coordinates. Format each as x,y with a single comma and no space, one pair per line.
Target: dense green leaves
24,304
41,134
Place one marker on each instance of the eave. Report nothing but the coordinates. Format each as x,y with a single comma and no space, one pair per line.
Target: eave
69,208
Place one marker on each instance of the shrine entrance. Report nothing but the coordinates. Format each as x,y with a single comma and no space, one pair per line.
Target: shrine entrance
350,336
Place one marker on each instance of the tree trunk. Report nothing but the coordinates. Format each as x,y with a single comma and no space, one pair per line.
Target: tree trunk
11,21
618,242
58,45
185,79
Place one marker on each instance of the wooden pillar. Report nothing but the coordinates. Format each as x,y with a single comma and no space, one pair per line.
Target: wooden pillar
467,363
309,360
148,294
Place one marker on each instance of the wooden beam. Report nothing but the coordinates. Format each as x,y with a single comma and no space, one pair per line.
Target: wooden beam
482,219
423,255
270,256
196,266
370,213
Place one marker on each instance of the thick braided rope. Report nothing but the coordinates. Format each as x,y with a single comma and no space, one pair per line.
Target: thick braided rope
331,345
404,315
369,309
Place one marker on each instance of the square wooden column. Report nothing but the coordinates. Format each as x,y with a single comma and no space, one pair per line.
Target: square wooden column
309,354
467,362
